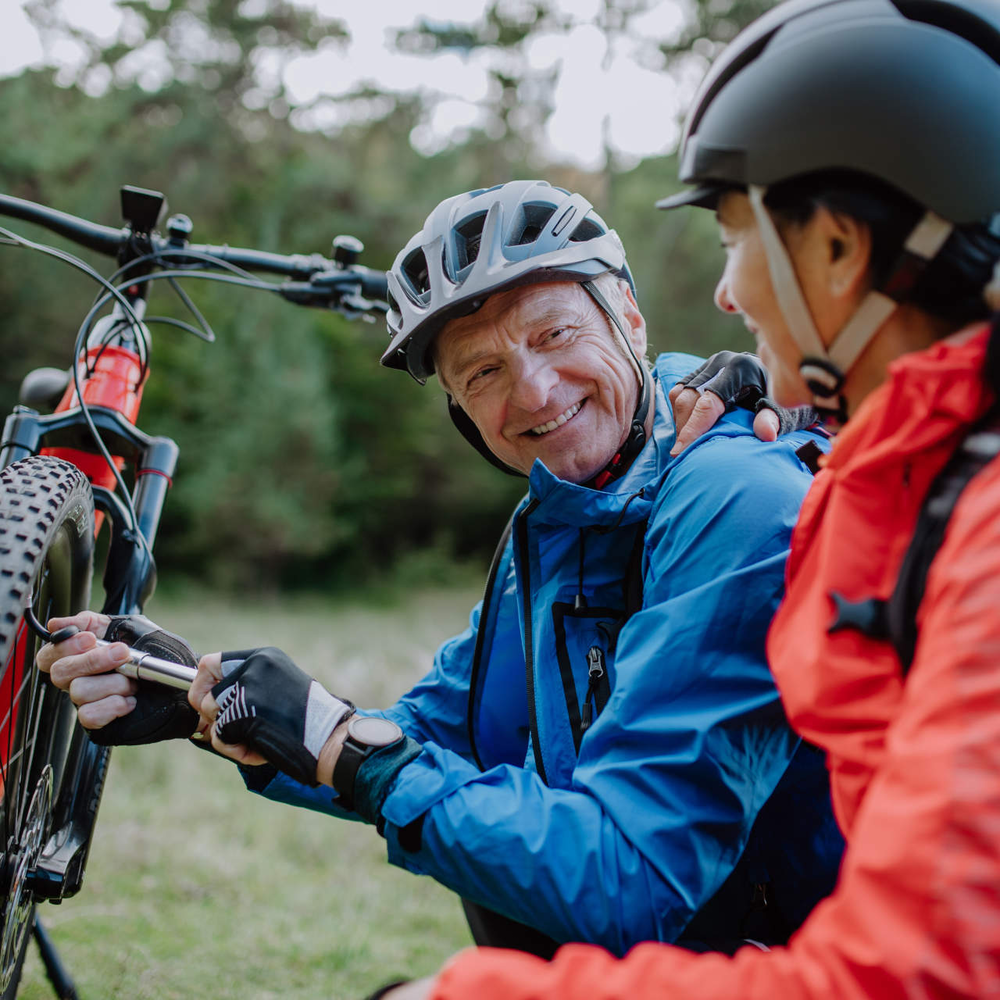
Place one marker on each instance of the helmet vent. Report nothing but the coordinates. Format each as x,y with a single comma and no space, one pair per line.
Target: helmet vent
415,269
964,23
531,221
587,230
468,237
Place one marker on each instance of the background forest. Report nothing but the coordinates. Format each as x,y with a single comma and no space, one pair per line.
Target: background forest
303,464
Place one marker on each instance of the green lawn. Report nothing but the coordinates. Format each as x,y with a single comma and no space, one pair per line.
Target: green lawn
195,887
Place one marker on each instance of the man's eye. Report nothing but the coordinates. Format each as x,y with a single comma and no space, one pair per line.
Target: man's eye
481,373
556,333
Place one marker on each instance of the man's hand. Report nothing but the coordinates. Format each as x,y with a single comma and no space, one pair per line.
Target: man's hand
259,707
200,698
114,709
81,667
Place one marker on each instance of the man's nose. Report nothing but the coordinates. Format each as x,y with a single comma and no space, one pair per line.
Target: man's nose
532,382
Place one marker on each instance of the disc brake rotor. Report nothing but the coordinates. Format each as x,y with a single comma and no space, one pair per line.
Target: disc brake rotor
22,855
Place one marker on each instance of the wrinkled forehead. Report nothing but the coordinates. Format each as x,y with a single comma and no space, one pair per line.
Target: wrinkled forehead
510,314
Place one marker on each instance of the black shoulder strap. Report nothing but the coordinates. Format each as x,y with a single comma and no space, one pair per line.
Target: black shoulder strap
476,671
633,571
980,446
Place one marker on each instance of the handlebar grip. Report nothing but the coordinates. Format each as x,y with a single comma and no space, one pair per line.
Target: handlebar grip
374,285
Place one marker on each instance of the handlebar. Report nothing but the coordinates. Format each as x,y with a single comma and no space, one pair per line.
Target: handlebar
316,280
103,239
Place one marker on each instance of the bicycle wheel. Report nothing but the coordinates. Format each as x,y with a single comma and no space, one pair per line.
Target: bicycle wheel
46,556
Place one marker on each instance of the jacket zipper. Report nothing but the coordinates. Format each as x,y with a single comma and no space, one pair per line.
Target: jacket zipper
522,541
595,671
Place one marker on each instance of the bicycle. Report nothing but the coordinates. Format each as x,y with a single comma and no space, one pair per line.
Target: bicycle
61,475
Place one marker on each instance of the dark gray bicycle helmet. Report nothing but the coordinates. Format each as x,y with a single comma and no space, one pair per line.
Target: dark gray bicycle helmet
486,241
904,91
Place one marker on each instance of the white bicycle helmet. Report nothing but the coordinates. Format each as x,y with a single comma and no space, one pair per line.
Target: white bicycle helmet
486,241
489,240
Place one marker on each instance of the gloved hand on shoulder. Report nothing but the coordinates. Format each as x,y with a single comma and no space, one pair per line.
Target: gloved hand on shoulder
725,380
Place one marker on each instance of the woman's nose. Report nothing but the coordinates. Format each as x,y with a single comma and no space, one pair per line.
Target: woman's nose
722,299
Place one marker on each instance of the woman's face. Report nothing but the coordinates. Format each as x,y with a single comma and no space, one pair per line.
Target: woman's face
745,288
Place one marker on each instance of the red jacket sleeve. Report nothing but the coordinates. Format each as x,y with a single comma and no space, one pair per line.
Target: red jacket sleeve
916,912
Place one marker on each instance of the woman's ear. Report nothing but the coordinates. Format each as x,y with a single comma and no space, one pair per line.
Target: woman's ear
846,245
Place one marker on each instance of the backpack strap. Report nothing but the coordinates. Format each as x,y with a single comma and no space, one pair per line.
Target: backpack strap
632,584
476,673
979,447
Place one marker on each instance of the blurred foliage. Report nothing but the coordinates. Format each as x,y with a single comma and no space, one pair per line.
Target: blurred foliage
715,22
302,462
220,46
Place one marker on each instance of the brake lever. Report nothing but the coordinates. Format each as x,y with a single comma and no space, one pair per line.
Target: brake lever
140,666
357,306
335,289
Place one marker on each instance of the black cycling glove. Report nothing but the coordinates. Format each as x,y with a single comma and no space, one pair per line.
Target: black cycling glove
160,713
739,379
268,703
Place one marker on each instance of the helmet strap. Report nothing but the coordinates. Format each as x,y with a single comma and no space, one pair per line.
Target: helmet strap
636,439
824,369
470,432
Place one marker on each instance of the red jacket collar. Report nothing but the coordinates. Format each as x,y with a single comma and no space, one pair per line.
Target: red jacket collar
928,395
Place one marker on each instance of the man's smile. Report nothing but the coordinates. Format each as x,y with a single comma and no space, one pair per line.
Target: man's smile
558,422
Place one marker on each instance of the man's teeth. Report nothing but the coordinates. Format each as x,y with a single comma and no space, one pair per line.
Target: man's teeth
558,422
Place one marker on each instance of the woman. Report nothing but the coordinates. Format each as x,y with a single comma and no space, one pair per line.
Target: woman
851,150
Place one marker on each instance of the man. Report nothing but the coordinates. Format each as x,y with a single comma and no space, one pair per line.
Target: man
602,755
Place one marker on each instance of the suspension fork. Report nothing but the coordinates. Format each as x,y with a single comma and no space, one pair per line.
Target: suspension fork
129,579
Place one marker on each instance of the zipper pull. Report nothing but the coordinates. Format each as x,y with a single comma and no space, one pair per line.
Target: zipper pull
595,665
595,671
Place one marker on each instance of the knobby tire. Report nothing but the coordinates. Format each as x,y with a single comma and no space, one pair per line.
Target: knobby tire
46,555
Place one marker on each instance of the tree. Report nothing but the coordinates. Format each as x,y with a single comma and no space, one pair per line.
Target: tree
230,48
301,460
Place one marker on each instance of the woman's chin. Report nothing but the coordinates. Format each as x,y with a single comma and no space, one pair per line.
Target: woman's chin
788,389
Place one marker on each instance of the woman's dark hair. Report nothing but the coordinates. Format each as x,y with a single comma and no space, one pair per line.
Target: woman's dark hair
951,286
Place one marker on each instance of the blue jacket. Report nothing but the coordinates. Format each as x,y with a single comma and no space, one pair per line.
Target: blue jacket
622,830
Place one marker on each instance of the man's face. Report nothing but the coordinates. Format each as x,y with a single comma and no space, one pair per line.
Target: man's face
540,373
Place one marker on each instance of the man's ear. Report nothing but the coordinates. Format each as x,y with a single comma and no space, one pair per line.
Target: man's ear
635,323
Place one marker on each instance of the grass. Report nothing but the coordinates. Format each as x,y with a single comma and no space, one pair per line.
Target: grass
197,886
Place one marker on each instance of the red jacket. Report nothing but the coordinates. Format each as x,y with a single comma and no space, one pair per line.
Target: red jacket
915,767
